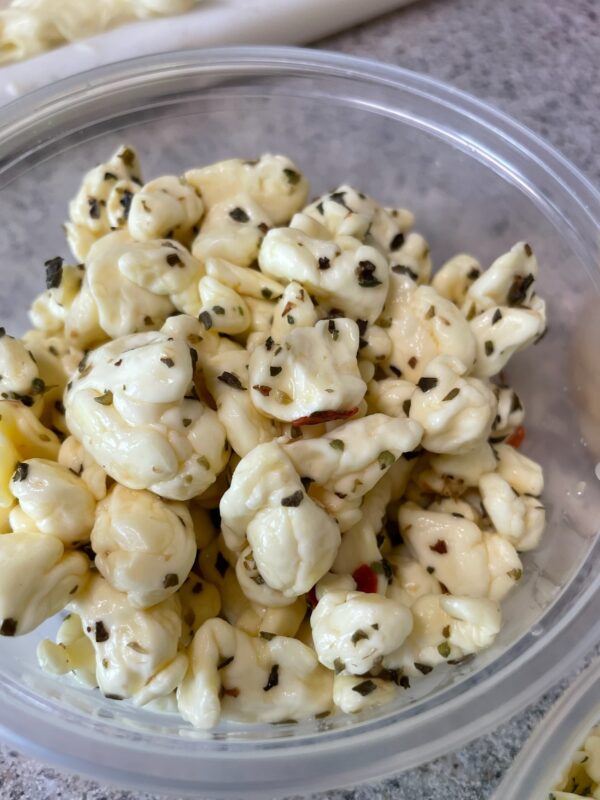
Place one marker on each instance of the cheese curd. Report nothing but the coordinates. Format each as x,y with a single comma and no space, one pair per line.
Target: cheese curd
456,411
129,406
273,181
145,546
423,325
166,206
312,375
18,370
293,540
54,500
352,279
37,579
446,628
465,559
352,631
122,306
251,679
581,778
232,229
22,436
345,463
279,440
136,650
110,185
245,426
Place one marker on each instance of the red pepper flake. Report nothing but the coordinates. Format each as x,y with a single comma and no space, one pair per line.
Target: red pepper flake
264,390
516,438
317,417
365,578
235,692
439,547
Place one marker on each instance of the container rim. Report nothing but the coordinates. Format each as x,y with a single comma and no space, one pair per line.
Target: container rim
477,705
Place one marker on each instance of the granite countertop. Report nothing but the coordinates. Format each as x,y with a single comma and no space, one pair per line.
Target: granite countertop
539,62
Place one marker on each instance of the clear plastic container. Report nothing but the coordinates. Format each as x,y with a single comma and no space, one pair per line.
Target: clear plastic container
478,182
551,747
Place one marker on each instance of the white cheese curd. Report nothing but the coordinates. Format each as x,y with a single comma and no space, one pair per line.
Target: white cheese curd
520,519
359,543
123,307
266,621
49,310
253,679
424,325
343,212
82,323
73,456
233,230
465,559
294,541
72,653
445,628
246,281
501,332
581,777
454,278
351,459
227,379
509,281
273,181
374,344
200,601
347,213
162,266
312,374
523,474
55,360
450,475
19,373
56,501
510,412
334,583
411,260
115,180
410,580
145,546
353,631
165,207
456,411
37,579
128,406
294,309
352,694
276,436
391,396
254,586
222,307
22,436
353,279
136,650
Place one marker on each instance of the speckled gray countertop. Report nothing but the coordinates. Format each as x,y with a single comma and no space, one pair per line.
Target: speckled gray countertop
540,62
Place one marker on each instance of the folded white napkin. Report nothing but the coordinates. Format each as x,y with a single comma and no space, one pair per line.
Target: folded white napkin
213,22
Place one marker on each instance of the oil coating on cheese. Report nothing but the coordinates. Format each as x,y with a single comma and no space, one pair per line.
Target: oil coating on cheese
262,457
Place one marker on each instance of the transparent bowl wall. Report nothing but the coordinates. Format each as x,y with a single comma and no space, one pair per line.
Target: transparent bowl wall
550,749
477,183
